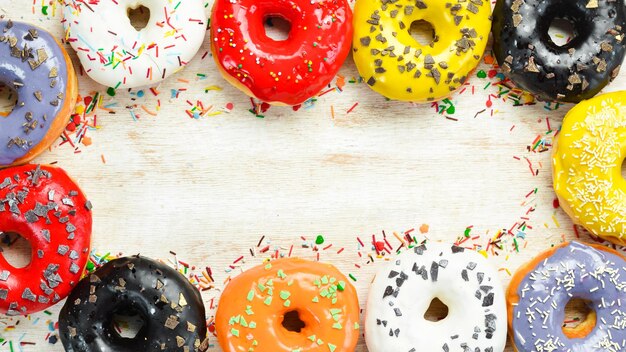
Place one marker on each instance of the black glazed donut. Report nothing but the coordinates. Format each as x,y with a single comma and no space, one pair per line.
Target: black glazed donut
573,72
171,309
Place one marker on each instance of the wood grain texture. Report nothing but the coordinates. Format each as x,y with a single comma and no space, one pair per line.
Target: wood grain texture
209,188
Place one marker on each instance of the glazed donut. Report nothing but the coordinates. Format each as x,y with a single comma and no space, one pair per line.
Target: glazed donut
395,65
281,72
170,307
254,305
404,288
587,166
115,54
37,68
573,72
540,290
45,207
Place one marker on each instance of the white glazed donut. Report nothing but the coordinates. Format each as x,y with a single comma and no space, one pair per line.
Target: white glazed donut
115,54
463,280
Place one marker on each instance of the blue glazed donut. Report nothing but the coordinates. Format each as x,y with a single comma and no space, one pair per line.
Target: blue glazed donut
540,291
40,72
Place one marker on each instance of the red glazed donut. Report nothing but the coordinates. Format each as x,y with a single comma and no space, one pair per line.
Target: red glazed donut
281,72
43,205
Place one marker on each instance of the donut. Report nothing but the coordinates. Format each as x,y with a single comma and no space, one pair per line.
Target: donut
170,307
255,307
39,71
573,72
540,289
44,206
461,279
395,65
113,53
587,166
285,72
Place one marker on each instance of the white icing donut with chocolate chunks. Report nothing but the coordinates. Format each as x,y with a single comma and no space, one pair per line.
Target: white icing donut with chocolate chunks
462,279
115,54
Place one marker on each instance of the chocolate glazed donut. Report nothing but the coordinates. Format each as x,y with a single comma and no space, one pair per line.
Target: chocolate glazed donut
573,72
170,307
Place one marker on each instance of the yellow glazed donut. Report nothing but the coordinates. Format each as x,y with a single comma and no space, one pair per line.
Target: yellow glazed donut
587,166
398,67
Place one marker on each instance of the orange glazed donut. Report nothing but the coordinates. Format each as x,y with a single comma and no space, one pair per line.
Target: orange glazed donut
256,307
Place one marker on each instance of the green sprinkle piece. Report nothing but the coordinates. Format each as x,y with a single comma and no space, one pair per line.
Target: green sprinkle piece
250,296
341,286
319,239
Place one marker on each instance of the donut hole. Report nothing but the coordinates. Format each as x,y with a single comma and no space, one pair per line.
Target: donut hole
423,32
8,100
15,249
277,28
562,31
436,311
127,323
138,17
577,310
292,321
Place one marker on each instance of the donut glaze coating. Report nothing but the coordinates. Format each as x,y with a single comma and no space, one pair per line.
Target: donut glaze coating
587,165
406,285
573,72
540,290
33,65
117,55
254,304
171,309
45,207
281,72
395,65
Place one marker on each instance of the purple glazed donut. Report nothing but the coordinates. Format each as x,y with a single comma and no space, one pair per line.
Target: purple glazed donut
540,291
40,72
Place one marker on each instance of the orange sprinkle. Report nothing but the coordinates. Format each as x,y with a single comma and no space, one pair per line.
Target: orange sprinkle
341,82
144,108
86,141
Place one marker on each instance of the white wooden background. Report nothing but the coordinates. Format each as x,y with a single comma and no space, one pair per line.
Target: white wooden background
209,188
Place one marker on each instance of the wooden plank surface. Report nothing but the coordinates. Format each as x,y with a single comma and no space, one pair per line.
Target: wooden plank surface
210,188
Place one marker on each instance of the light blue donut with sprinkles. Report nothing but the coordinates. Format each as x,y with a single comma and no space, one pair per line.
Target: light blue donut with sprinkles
575,270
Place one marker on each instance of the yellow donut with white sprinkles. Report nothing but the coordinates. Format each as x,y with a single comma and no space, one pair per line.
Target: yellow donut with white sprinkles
395,65
587,166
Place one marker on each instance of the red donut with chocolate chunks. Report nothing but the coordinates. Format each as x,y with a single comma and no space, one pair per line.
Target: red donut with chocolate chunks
285,72
44,206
